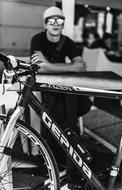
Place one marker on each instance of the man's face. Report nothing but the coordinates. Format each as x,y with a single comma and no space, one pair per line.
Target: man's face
54,26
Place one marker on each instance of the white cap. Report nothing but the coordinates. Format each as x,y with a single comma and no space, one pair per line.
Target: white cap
53,11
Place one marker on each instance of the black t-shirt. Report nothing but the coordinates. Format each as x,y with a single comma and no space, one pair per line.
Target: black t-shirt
55,102
40,42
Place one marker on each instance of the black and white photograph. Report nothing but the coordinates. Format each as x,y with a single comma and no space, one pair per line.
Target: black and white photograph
60,95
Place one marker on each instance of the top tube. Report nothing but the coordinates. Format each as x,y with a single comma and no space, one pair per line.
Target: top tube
99,80
101,84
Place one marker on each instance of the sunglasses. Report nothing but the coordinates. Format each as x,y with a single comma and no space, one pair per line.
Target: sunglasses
58,21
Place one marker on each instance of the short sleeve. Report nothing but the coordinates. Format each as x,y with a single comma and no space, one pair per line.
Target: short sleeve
36,43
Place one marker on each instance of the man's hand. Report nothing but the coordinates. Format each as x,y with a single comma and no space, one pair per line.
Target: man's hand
38,58
79,65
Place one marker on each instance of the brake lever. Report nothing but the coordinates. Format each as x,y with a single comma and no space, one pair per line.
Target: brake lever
7,78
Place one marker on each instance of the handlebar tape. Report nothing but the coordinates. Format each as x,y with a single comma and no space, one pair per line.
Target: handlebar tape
6,61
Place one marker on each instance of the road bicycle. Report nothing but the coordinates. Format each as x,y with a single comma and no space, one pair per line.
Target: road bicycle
42,168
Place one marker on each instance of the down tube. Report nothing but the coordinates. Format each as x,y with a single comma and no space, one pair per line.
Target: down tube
61,138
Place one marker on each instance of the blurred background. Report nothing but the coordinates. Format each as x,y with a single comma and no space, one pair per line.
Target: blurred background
21,19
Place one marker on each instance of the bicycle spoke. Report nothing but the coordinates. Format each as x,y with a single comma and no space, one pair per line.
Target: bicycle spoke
25,169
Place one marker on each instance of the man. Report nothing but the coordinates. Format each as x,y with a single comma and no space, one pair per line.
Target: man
49,50
54,24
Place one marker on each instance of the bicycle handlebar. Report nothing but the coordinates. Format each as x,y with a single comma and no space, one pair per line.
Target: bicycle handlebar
6,61
15,68
11,63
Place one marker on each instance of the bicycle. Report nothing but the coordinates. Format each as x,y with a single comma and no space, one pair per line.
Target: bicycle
45,166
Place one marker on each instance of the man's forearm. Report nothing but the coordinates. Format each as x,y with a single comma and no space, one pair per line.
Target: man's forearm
56,68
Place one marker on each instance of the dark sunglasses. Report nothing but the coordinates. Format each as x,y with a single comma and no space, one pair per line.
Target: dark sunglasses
58,21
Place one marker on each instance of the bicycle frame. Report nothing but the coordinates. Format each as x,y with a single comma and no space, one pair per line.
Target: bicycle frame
28,98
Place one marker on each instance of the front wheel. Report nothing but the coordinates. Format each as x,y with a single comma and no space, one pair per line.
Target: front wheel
31,164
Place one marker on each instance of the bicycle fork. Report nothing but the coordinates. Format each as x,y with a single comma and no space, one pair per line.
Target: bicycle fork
7,141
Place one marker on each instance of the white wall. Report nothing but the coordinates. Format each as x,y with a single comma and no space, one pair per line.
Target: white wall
18,23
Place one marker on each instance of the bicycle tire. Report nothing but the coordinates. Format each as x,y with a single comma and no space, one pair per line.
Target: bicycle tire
40,170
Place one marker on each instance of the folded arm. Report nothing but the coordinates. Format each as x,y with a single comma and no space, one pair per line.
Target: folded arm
77,64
